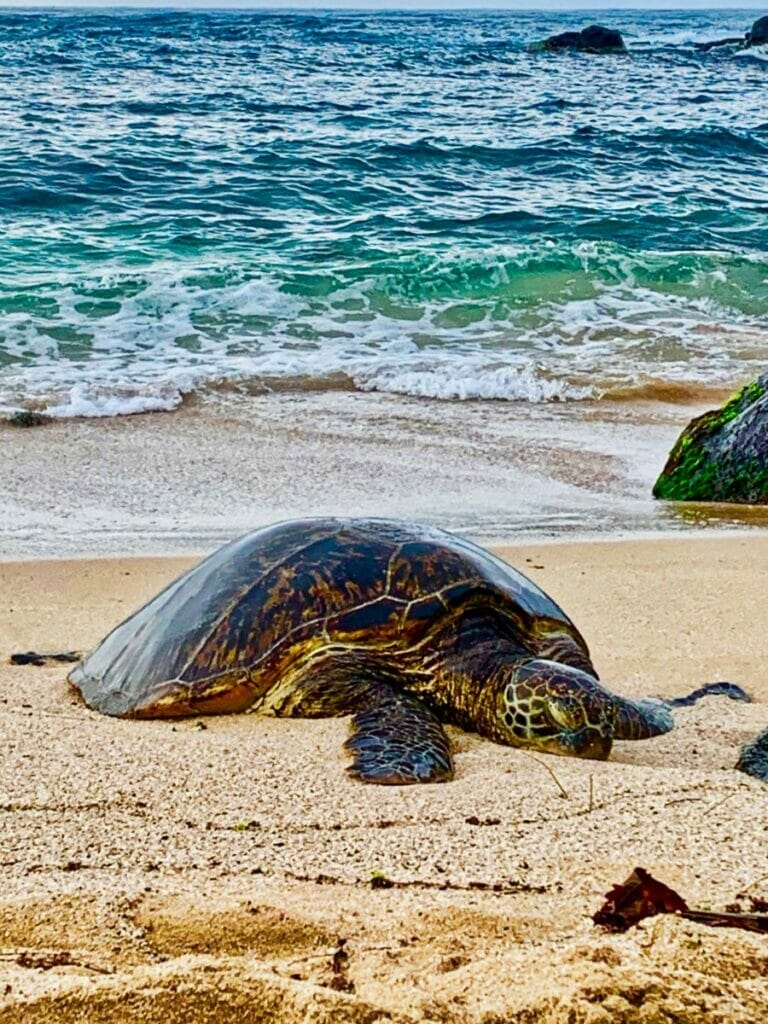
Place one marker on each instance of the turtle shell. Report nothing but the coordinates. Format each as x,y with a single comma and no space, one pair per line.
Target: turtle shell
221,635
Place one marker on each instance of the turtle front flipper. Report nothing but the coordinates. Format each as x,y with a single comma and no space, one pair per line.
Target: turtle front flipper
398,741
642,719
720,689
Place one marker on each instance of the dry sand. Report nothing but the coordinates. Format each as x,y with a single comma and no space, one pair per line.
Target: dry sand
208,871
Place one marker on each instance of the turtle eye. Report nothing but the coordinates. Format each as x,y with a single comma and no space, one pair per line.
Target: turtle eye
568,714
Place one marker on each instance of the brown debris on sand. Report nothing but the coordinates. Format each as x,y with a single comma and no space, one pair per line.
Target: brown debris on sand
642,896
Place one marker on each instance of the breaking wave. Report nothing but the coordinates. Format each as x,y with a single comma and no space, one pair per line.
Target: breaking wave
410,203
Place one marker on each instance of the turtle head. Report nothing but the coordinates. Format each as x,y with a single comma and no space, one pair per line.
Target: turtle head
546,706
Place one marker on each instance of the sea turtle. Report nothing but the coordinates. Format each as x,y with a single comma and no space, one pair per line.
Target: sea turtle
404,627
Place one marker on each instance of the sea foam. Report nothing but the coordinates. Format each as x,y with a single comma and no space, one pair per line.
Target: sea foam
411,203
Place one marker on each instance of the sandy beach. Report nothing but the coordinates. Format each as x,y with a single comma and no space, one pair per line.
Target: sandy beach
185,482
427,264
221,870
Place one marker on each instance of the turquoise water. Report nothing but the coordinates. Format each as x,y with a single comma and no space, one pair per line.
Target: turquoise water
406,203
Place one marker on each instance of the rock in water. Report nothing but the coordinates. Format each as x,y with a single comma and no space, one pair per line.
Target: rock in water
730,41
722,455
595,39
28,418
758,34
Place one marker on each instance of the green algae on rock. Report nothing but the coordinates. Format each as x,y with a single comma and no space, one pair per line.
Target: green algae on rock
723,454
28,418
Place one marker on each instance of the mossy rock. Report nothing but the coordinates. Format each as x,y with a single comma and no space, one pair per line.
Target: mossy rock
722,455
28,418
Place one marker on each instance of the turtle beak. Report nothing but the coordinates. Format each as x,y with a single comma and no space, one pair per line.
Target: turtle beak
594,745
587,742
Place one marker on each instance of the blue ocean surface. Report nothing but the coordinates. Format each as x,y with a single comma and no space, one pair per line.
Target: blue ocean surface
412,203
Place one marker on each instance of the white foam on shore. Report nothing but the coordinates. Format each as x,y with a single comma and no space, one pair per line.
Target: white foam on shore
83,404
464,326
501,383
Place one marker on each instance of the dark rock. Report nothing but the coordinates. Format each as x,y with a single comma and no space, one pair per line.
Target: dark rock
722,455
731,41
758,34
753,759
564,41
28,418
595,39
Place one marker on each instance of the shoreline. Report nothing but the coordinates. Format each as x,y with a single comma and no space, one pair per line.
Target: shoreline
157,872
516,544
156,484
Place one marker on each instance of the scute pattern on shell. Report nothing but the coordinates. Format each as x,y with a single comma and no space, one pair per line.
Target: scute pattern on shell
234,623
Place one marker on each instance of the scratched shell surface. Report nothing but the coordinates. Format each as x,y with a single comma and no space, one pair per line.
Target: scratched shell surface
242,611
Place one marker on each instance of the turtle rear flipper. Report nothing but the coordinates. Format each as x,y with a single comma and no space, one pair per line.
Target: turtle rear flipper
397,741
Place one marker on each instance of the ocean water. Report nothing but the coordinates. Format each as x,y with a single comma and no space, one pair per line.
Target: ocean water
407,203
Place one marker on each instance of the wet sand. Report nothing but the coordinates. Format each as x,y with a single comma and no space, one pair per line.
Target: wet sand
209,870
186,481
